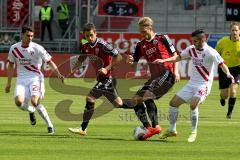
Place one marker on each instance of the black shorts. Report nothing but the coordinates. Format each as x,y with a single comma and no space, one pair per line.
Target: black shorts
107,88
225,82
158,86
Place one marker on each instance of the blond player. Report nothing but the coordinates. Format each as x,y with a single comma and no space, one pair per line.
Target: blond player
28,57
203,59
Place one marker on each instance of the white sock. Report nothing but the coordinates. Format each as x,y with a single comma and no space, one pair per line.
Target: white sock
173,115
43,113
28,108
194,119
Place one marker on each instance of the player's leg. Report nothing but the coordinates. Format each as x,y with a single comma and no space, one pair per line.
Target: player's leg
224,84
194,114
22,96
37,91
223,96
140,109
88,112
152,112
232,99
200,94
173,110
183,96
157,88
87,115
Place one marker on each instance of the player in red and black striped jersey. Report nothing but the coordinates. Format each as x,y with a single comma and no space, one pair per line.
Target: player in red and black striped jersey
163,76
103,57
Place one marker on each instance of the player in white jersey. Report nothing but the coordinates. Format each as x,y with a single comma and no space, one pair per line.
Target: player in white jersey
28,57
203,58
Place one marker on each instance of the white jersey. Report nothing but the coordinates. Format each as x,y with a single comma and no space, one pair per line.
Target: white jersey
28,60
203,63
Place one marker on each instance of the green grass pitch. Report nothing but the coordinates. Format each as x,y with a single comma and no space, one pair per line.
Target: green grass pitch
110,135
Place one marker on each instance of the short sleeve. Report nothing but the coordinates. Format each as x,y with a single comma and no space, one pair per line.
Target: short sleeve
110,50
11,57
217,58
137,53
44,54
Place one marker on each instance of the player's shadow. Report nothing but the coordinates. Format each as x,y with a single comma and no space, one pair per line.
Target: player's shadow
129,140
32,134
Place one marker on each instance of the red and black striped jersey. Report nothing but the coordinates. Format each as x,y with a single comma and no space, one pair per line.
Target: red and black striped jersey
159,47
100,54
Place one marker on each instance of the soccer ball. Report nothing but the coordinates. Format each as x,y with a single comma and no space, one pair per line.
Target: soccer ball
139,132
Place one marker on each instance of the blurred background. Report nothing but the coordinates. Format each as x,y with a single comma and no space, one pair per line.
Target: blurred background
116,21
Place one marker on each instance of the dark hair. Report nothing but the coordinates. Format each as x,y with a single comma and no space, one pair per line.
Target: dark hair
88,27
26,28
198,32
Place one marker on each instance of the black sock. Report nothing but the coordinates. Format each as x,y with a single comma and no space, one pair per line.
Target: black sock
152,111
88,112
141,114
231,103
127,104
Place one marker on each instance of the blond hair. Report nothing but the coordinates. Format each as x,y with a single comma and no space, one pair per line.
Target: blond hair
145,22
235,24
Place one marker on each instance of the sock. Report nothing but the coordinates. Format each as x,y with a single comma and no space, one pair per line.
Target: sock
152,111
43,113
141,114
231,103
173,115
88,112
127,104
28,108
194,119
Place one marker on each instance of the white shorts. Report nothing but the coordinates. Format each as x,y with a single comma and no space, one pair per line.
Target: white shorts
189,91
29,87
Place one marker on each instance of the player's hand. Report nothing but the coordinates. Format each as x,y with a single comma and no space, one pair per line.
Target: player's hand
231,77
158,61
61,77
177,77
7,88
103,71
129,59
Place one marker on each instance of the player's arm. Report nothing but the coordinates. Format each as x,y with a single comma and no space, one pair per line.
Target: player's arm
10,71
175,58
116,58
77,64
175,68
135,57
226,71
54,68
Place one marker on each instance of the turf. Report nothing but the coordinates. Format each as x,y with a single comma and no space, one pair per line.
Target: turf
110,135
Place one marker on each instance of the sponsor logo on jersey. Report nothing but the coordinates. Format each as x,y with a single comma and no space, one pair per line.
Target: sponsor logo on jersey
197,62
150,51
155,41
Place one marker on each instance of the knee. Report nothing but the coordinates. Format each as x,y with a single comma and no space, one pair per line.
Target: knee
18,104
233,93
137,100
90,99
172,103
118,102
35,102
